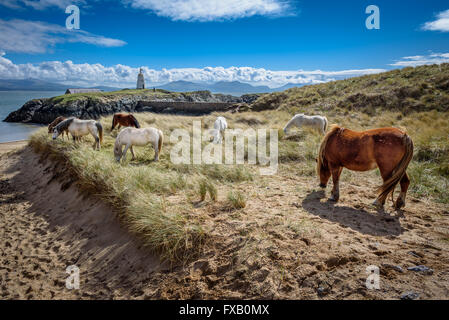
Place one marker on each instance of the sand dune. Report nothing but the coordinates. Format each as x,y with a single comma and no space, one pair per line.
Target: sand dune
46,226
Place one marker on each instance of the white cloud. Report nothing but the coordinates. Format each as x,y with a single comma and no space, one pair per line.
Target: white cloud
125,76
209,10
440,24
40,4
413,61
37,37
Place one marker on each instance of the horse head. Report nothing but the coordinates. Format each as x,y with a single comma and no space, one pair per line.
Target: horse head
56,133
117,152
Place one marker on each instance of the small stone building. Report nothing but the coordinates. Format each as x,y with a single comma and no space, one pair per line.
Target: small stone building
140,80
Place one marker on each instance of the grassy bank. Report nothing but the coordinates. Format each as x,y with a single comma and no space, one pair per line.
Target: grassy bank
407,90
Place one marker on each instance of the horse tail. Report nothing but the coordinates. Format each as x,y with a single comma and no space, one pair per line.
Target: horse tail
100,130
160,142
326,124
323,145
136,123
399,171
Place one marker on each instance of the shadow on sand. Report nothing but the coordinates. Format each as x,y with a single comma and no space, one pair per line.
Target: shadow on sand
360,220
112,259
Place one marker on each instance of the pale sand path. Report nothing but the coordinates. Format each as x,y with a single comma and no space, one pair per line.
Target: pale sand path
9,146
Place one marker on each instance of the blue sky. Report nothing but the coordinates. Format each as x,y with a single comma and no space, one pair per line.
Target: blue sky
266,41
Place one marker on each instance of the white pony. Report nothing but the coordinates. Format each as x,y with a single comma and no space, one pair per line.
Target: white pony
79,128
130,137
317,122
220,126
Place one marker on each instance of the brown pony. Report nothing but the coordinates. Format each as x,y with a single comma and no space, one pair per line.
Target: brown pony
388,149
126,120
55,122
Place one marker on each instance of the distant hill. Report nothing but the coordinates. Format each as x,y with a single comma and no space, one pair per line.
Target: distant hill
226,87
236,88
287,86
105,88
182,86
41,85
31,85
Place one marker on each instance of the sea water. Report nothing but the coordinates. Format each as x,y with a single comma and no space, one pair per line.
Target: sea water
13,100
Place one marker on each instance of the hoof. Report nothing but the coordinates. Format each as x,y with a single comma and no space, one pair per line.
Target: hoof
399,204
323,186
334,199
378,205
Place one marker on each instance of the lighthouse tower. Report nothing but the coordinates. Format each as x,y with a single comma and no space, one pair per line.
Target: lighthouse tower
140,80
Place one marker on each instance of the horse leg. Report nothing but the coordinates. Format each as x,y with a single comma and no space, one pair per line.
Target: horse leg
97,143
405,183
125,151
156,151
132,152
336,172
386,171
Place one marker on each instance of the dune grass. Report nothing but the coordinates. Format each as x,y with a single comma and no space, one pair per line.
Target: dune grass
138,189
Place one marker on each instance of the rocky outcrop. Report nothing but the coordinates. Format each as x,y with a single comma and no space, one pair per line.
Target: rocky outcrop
93,106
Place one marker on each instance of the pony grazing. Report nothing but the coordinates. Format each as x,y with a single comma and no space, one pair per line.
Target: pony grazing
55,122
125,120
79,128
220,126
388,149
130,137
317,122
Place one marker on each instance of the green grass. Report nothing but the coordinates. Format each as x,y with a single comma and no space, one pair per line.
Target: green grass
236,200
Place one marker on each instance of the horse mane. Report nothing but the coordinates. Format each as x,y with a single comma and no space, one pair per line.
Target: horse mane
64,125
333,129
136,123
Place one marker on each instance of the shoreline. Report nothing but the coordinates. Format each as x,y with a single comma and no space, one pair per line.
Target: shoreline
12,145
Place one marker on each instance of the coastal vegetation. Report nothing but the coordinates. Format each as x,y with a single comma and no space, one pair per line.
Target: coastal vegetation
167,205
